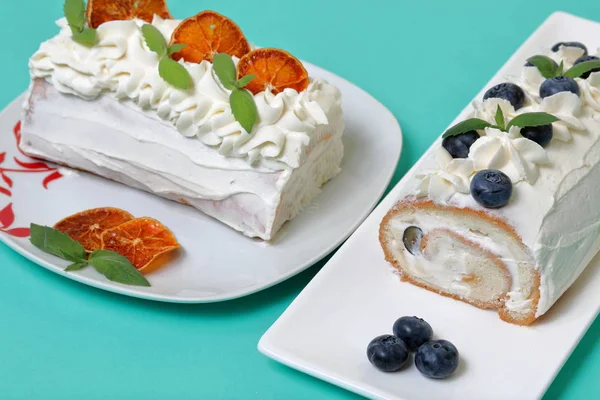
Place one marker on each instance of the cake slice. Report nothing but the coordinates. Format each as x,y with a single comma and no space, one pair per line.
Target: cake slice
502,214
107,110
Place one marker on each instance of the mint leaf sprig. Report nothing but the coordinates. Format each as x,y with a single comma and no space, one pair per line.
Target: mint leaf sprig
112,265
550,69
168,69
75,14
242,102
522,121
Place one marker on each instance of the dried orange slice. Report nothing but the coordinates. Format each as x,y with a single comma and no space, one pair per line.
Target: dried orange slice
275,70
87,226
144,241
207,34
101,11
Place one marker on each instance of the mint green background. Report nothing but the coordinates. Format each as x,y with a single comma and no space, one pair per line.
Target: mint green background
423,59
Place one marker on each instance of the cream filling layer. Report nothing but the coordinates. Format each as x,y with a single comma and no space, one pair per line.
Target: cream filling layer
450,268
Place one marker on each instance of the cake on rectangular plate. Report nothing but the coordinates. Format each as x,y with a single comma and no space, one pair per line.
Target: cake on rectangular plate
504,211
109,107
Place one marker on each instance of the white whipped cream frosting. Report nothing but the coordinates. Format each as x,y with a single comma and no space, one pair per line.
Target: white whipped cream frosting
548,208
121,65
509,152
566,54
452,177
590,90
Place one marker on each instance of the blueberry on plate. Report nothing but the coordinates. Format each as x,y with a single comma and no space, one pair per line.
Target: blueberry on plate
584,59
558,84
507,91
459,145
491,188
556,47
542,134
437,359
413,331
387,353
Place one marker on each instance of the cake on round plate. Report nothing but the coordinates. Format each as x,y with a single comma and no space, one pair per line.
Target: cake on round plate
187,110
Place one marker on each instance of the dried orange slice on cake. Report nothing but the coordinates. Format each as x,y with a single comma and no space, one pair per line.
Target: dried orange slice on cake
144,241
87,226
275,70
207,34
101,11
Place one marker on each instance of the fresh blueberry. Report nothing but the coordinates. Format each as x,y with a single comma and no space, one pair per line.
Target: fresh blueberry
542,134
387,353
587,58
491,188
556,47
507,91
558,84
413,331
437,359
458,146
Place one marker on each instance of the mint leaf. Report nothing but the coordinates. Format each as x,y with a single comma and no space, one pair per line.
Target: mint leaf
175,48
54,242
579,69
86,37
561,68
532,119
75,14
174,73
547,66
242,82
243,108
472,124
116,268
500,118
225,70
154,40
76,266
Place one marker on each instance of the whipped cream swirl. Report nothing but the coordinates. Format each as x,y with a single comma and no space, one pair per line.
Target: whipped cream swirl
122,65
487,109
565,106
590,89
453,176
567,55
509,152
530,81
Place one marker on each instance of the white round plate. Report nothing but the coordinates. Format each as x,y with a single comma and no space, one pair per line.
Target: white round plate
216,263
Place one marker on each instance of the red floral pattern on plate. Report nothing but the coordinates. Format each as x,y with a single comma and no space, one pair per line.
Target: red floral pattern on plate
7,216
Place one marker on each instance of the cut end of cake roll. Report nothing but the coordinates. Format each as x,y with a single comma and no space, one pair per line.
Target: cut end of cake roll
480,260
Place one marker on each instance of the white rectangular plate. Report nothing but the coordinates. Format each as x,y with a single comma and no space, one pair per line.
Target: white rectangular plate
356,297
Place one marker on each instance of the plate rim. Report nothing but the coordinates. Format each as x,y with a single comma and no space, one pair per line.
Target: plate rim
284,357
235,294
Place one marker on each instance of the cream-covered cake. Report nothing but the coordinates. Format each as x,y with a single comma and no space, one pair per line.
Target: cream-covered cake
448,235
105,109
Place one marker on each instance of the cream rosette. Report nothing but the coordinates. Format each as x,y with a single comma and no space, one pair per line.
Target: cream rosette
567,107
510,153
590,90
452,176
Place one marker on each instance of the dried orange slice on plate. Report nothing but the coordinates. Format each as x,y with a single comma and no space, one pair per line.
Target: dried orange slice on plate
101,11
144,241
207,34
87,226
275,70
